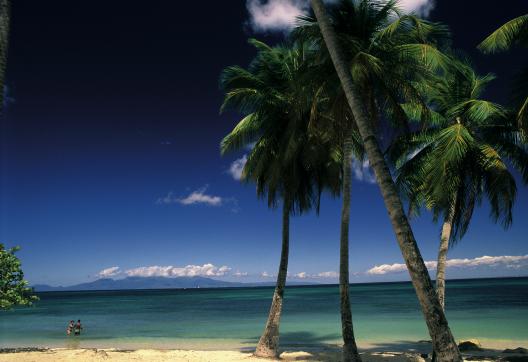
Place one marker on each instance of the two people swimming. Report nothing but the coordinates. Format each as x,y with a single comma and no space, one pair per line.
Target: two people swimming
74,327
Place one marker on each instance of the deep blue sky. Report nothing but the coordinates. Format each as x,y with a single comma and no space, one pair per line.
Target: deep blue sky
114,105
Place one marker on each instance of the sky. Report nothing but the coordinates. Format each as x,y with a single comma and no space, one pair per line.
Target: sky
110,162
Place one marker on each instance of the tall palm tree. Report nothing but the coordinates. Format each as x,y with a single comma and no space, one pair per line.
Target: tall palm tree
442,338
459,157
377,42
514,32
287,161
4,40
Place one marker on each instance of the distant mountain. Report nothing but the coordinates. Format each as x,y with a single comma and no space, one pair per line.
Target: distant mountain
153,283
142,283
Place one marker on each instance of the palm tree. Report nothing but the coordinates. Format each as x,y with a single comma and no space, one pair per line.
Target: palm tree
442,338
286,162
4,39
514,32
374,44
459,158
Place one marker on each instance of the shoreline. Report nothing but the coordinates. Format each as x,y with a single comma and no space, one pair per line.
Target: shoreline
202,344
405,351
157,355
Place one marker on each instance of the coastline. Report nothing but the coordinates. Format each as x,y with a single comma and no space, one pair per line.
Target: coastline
405,351
158,355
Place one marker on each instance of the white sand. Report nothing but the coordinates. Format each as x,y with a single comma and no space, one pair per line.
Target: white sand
152,355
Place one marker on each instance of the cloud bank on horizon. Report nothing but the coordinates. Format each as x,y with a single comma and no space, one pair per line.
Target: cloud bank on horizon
507,261
281,15
206,270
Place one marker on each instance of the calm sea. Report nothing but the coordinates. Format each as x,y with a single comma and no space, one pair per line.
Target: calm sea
487,309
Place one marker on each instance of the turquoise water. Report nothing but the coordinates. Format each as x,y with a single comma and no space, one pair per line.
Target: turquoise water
233,318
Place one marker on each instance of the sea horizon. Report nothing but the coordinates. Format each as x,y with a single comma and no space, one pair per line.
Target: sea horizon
297,284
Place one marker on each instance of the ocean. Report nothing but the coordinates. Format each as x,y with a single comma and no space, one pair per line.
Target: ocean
385,315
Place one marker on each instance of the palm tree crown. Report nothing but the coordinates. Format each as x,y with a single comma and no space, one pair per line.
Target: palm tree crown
462,153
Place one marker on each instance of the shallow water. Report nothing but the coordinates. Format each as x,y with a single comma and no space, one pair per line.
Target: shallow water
385,314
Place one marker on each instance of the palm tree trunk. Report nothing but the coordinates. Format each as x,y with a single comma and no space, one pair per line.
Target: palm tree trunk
4,41
442,256
350,352
268,345
443,341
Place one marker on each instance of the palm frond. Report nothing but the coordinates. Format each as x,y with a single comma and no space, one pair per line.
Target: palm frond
513,32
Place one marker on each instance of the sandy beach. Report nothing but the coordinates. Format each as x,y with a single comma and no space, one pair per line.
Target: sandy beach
82,355
156,355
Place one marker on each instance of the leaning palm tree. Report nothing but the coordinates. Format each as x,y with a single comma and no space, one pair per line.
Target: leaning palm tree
4,40
286,161
373,35
459,158
514,32
443,341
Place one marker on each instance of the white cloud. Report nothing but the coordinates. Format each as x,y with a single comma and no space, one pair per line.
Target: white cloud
321,275
240,274
281,15
420,7
508,261
109,272
363,172
266,275
207,270
275,15
328,274
196,197
235,170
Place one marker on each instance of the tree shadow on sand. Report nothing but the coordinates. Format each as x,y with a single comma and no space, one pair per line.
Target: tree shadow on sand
305,346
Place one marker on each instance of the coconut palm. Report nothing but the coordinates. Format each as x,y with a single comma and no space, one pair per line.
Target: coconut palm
286,161
442,338
460,157
370,48
514,32
4,38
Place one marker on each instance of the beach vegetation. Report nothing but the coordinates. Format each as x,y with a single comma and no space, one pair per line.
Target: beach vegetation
14,290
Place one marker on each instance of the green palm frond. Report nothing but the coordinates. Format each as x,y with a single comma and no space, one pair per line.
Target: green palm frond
477,110
245,132
513,32
428,54
260,45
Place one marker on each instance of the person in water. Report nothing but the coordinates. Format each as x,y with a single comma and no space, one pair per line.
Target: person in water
69,330
77,328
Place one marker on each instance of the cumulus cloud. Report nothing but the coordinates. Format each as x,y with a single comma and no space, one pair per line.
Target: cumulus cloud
508,261
109,272
196,197
235,169
240,274
266,275
363,172
420,7
328,274
301,275
281,15
207,270
321,275
275,15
